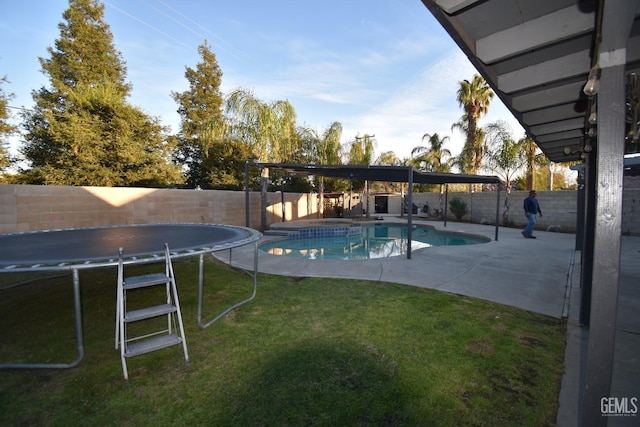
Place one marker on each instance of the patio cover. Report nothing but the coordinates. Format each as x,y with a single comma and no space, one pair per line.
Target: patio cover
382,173
406,174
537,56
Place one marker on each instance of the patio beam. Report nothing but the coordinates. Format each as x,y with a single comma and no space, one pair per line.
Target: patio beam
534,34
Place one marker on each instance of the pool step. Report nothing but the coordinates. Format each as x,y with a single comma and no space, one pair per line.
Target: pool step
280,232
317,232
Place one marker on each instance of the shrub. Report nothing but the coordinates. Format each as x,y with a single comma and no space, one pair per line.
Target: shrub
458,207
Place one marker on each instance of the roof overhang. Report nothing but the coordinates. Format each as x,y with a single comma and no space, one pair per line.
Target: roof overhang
536,55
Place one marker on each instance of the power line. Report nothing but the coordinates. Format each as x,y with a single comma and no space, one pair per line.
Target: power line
246,56
185,26
20,108
150,26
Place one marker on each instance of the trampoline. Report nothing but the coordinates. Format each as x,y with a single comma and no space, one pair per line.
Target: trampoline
85,248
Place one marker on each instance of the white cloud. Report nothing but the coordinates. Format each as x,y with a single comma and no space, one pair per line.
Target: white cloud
427,104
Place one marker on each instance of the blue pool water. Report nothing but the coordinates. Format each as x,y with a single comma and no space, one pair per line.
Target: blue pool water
365,242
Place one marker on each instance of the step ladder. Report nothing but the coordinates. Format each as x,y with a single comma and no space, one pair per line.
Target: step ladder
154,337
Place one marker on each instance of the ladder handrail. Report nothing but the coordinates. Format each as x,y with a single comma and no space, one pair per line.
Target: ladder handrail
164,338
177,301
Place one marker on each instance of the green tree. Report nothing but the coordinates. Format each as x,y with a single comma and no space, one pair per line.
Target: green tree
388,158
470,158
82,131
202,122
474,97
328,148
505,156
6,128
433,157
542,168
223,167
361,150
325,150
533,159
268,128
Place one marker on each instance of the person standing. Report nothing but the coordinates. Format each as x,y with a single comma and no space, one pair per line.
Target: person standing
531,211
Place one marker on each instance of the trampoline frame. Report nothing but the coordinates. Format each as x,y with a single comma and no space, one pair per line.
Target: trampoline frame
153,257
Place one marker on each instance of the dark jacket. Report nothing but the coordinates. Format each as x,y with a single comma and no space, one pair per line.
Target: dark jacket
531,206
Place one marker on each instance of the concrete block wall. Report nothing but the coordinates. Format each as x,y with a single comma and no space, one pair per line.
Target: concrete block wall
296,206
558,207
631,206
34,207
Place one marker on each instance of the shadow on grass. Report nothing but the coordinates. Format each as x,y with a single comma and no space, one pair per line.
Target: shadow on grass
321,383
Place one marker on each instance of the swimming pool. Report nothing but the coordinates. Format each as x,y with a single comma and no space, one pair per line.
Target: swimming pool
363,242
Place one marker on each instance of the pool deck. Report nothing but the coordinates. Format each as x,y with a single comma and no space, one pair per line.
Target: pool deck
540,275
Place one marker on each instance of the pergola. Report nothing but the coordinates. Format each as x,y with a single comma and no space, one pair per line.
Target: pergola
407,174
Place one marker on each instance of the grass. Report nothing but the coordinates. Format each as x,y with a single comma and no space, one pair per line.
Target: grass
304,352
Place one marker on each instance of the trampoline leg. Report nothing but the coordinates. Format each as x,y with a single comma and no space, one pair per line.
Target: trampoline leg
234,306
79,340
200,287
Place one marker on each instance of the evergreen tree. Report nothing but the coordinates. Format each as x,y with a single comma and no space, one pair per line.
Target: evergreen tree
6,129
223,168
82,130
202,121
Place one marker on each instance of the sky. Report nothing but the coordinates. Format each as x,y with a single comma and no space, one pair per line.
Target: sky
383,67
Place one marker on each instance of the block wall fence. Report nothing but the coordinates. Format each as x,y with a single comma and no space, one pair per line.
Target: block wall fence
35,207
559,208
32,207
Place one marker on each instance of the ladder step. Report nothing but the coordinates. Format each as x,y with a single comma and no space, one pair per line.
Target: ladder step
145,280
153,344
149,312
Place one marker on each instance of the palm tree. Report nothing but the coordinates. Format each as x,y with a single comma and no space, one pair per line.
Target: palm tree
470,159
432,158
474,97
532,160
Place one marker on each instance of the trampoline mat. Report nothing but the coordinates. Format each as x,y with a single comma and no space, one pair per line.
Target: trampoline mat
102,243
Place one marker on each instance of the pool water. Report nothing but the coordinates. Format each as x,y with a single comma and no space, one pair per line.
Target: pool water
374,241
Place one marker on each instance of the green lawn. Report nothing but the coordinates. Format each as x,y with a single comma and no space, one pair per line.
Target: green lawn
304,352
